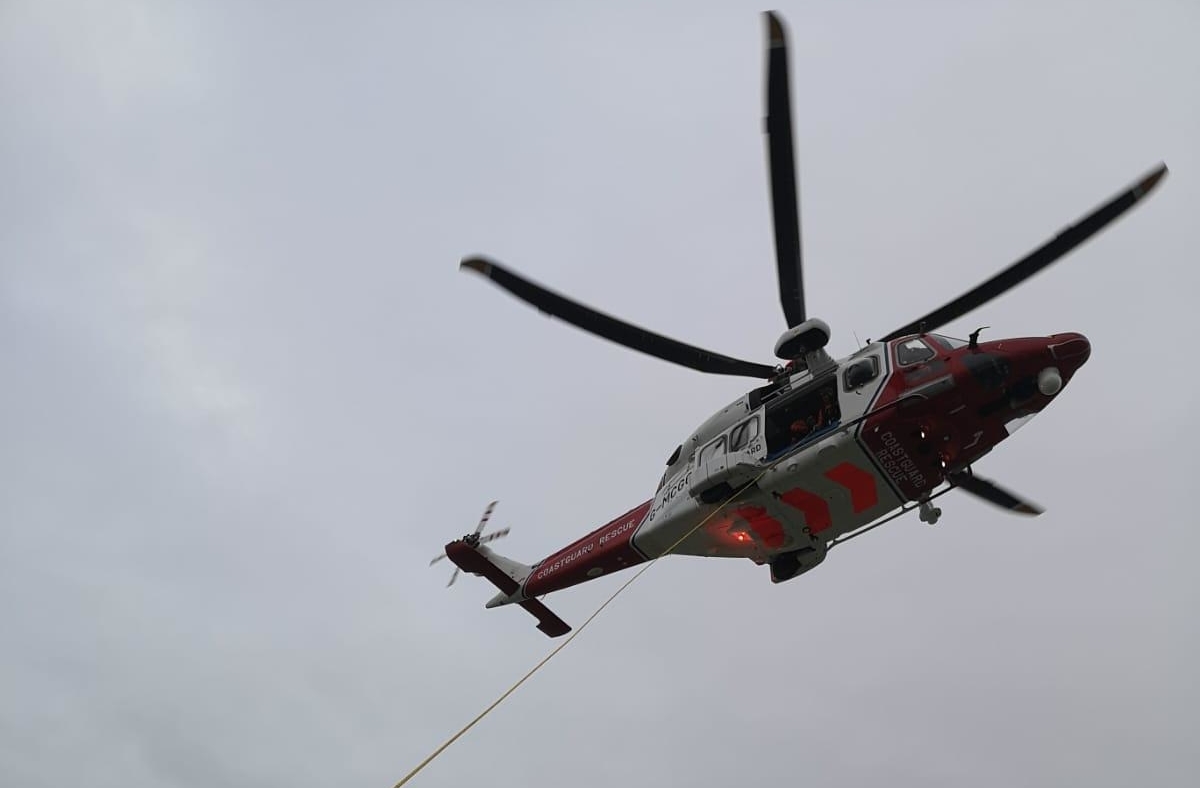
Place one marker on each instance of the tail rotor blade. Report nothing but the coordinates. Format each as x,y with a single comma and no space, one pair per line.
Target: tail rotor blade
493,536
475,539
487,515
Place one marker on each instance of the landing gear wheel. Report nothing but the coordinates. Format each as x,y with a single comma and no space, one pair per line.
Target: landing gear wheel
929,513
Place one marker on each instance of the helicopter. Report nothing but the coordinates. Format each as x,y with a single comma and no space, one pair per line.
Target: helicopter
824,449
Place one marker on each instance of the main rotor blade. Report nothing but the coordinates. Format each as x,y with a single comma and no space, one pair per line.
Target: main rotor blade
785,209
613,329
1036,260
994,494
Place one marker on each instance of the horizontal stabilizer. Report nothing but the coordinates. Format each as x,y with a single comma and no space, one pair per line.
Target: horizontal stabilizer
549,623
478,561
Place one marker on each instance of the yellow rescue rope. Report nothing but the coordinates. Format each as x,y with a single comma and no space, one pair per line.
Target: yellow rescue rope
840,429
574,634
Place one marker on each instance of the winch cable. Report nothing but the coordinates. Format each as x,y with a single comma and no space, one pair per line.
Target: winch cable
841,429
577,631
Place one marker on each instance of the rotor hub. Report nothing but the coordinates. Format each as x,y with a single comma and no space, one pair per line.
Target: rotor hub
802,339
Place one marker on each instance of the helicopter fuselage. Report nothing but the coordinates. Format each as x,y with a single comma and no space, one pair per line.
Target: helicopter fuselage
826,447
785,469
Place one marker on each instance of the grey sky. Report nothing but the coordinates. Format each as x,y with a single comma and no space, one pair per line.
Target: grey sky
249,395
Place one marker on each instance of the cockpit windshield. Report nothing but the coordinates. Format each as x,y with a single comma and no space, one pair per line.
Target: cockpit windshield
951,343
913,351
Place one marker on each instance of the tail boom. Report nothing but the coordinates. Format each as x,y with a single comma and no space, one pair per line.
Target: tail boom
608,549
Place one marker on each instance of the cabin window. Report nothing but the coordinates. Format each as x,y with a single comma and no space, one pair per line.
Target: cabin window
674,455
861,372
712,450
743,433
802,417
913,351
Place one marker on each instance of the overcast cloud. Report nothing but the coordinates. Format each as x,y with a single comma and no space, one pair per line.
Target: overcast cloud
249,395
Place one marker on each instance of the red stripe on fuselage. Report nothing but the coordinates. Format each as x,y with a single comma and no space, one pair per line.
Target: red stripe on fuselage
861,484
767,528
814,507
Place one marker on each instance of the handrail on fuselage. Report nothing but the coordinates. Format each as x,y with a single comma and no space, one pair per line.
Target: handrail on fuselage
805,441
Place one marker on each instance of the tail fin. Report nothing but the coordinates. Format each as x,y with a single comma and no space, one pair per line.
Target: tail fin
507,575
515,570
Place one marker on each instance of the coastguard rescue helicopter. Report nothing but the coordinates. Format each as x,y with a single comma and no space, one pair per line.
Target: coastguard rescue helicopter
824,449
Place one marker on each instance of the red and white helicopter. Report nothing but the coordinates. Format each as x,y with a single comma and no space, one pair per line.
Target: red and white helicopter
825,449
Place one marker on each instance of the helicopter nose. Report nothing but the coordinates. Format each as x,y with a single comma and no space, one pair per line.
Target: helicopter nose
1070,349
1068,352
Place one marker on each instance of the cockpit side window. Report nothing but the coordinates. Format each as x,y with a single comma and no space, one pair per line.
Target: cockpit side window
860,373
674,455
913,351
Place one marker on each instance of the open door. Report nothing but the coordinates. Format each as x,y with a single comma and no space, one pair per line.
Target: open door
802,417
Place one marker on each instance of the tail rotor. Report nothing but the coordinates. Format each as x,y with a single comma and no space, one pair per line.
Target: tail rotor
476,538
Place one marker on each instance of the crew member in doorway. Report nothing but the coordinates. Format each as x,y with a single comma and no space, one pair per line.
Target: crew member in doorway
829,412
